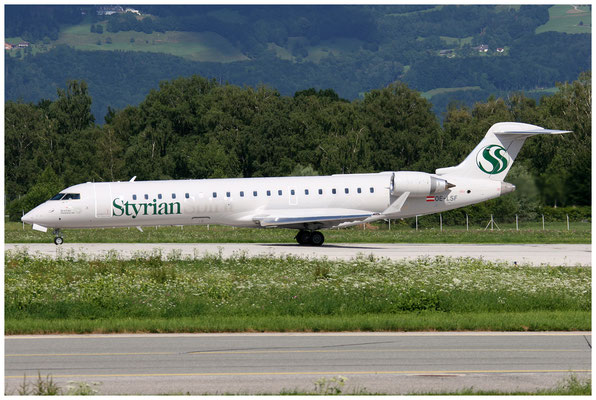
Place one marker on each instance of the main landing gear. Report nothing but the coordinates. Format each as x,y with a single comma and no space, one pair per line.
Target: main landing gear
58,237
315,238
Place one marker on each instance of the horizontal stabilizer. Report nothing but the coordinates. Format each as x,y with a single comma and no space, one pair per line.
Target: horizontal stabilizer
530,132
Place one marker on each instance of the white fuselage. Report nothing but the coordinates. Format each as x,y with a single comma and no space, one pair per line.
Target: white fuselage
240,201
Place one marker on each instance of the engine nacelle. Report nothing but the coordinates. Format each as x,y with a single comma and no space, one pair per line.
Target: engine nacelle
417,183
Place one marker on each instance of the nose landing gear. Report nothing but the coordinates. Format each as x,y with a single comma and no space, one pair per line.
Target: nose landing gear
58,240
315,238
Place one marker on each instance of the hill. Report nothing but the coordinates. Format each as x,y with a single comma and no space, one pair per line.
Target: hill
351,49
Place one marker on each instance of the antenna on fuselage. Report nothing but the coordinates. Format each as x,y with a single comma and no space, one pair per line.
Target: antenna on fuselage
133,178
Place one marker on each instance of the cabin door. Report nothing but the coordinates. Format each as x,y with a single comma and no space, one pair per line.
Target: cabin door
103,200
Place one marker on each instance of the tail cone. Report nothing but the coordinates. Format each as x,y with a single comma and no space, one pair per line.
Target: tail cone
507,187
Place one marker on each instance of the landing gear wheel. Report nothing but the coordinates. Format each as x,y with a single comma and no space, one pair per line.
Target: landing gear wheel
317,238
57,238
303,237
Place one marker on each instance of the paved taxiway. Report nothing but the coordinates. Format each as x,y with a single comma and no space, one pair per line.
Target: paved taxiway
534,254
269,363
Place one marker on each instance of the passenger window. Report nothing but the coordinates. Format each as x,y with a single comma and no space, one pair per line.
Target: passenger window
134,196
159,196
306,192
173,195
333,191
146,197
268,192
279,192
347,190
254,193
372,189
241,194
186,195
320,191
359,190
228,194
292,192
214,195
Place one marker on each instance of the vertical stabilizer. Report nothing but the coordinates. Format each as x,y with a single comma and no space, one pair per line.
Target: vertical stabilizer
494,155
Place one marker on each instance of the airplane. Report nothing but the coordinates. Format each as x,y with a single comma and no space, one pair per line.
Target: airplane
305,203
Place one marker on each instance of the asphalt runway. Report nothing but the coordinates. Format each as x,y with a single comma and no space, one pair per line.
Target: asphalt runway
533,254
390,363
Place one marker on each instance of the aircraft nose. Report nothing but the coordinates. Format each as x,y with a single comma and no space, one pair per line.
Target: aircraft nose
39,215
27,218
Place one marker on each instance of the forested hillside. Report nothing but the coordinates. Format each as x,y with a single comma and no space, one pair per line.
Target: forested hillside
195,127
350,49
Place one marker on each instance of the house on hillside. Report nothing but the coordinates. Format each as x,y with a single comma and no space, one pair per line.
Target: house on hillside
8,46
500,49
483,48
132,10
109,10
22,45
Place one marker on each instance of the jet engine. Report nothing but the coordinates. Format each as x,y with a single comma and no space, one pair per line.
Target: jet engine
417,183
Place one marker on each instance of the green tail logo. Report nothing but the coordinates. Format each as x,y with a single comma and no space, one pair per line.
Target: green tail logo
492,159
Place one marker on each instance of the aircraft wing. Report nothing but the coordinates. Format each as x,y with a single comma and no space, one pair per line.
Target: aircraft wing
318,218
311,218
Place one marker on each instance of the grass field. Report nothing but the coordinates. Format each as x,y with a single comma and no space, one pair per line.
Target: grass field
455,41
429,94
337,47
567,19
530,232
213,294
204,46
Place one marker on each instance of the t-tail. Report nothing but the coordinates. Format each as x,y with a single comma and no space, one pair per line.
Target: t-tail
494,155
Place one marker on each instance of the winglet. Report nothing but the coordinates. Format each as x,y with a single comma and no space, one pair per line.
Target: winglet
389,212
396,206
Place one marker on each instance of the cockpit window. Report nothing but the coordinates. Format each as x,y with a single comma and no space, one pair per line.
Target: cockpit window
67,196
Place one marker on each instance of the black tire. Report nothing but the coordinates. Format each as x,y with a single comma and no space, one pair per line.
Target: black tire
303,237
317,238
58,240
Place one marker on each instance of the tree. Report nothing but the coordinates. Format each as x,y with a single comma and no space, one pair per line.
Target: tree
27,139
567,180
71,116
47,186
72,109
404,133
